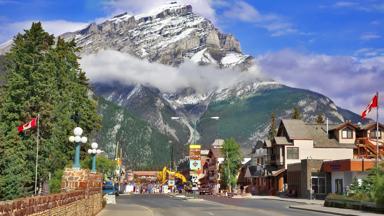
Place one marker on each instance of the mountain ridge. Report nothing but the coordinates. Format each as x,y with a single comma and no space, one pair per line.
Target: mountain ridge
172,37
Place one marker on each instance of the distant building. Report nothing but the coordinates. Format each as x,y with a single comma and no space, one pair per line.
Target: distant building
297,160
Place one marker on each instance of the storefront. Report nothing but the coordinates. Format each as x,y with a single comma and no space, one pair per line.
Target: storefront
306,180
344,172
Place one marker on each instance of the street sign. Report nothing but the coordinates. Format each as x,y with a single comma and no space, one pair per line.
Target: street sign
171,182
194,164
194,157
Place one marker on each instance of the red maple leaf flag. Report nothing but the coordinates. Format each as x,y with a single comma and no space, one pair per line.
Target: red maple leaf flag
29,125
373,104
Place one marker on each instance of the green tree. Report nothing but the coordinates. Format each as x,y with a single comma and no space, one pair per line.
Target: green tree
103,164
272,129
320,119
232,162
42,77
296,113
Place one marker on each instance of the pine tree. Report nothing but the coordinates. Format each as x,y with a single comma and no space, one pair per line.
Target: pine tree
296,113
26,92
47,80
232,162
319,119
272,128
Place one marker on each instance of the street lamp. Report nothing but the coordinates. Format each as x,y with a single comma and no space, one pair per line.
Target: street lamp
77,139
94,151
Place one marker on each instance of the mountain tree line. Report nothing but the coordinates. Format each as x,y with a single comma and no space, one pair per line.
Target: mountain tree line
42,77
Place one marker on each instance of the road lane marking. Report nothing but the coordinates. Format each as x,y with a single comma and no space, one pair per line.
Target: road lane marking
210,213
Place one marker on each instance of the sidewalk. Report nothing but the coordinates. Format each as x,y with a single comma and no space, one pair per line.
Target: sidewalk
331,210
122,209
296,200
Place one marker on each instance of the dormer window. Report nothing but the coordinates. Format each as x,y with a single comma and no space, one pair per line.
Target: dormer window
373,133
347,133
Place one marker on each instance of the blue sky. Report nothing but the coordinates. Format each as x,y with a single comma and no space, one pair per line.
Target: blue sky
335,47
327,26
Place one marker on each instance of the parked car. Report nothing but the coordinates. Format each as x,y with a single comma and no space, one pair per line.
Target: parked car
110,188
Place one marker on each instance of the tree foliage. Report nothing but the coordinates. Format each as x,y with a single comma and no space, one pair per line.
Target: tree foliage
42,77
320,119
103,164
272,129
371,187
296,113
232,162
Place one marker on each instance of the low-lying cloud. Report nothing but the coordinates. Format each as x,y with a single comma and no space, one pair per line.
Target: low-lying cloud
109,66
349,81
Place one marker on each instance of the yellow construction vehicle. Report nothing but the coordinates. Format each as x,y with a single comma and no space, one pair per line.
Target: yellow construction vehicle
164,175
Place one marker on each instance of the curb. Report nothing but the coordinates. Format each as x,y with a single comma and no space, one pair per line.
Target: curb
323,211
294,201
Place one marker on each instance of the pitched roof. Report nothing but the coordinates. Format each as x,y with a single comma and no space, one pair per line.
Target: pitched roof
371,125
282,141
145,173
343,125
268,143
296,129
322,140
216,152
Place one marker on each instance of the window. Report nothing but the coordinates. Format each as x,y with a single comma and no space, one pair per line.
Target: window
339,186
292,152
347,133
373,132
318,184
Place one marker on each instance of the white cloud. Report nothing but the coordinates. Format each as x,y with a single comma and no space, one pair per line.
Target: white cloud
349,81
56,27
369,52
202,7
242,11
110,66
365,6
370,36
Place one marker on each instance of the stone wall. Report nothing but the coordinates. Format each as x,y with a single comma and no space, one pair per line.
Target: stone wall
66,203
81,195
82,179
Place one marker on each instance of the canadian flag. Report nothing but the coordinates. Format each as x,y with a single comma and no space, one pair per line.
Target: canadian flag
373,104
29,125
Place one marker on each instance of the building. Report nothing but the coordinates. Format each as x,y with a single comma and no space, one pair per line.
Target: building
306,179
296,141
212,166
344,172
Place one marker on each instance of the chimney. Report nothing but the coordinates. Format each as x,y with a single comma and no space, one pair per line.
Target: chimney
327,126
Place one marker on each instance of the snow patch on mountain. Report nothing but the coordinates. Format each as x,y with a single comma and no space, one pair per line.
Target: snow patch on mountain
233,59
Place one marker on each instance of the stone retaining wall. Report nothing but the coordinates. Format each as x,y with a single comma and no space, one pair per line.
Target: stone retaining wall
81,195
68,203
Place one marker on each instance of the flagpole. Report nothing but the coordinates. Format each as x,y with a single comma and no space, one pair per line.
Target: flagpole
37,151
377,132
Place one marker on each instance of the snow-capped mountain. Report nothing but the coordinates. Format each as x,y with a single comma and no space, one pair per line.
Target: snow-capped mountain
172,35
168,35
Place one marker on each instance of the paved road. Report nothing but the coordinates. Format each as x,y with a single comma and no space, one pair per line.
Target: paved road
163,205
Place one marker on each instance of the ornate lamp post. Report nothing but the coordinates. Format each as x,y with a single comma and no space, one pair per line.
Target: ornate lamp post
77,139
94,151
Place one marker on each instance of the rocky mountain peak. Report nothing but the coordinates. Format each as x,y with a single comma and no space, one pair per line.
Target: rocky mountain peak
169,34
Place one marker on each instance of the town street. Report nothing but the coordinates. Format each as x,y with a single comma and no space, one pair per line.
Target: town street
164,205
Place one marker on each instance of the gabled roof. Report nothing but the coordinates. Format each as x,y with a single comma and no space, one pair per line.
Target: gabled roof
268,143
296,129
215,152
370,126
282,141
322,140
343,125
